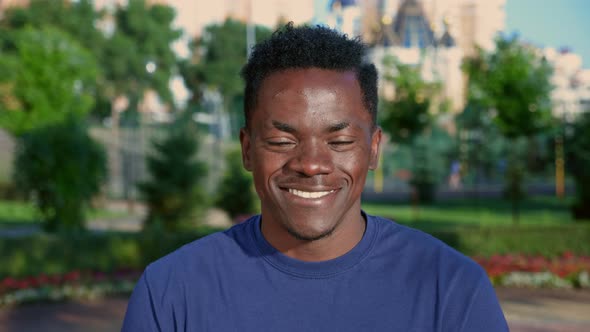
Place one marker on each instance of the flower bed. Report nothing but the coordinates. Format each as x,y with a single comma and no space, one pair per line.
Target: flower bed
75,284
565,271
516,270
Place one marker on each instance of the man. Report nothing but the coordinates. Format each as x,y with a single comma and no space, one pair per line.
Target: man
313,260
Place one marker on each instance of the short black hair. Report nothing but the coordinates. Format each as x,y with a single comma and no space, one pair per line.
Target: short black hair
309,47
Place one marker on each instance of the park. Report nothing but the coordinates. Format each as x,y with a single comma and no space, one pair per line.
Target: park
103,171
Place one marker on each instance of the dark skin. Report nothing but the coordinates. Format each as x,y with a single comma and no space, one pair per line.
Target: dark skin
310,144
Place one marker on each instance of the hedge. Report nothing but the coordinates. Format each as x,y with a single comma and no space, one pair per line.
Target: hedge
53,254
61,253
547,241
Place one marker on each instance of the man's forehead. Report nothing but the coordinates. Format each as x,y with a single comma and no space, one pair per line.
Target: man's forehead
306,80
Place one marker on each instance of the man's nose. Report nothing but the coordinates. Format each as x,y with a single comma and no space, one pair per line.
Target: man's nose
313,158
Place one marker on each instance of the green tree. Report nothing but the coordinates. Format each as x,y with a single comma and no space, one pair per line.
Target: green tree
218,57
236,192
481,146
47,78
513,83
174,192
78,19
406,116
578,156
134,57
62,168
46,87
138,55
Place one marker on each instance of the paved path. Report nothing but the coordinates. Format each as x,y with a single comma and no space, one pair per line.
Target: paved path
526,310
545,310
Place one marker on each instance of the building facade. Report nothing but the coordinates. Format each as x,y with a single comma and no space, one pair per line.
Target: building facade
571,83
433,34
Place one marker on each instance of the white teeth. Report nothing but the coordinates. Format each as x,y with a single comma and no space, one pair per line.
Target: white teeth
308,194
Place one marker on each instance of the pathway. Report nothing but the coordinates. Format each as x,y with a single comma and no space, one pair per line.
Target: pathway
526,310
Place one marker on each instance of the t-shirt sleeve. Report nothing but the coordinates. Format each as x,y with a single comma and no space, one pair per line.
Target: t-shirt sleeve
473,306
141,314
484,312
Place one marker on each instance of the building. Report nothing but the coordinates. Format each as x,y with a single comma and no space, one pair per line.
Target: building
571,83
433,34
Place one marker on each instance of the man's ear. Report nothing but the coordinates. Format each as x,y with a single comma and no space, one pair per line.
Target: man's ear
375,144
245,143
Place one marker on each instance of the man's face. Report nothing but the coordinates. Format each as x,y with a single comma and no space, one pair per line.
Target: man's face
309,145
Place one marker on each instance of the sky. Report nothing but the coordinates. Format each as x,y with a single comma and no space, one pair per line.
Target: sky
552,23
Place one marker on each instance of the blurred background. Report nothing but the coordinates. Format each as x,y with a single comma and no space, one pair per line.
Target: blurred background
119,125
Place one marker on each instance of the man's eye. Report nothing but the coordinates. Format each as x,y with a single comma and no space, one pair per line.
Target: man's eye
280,143
341,143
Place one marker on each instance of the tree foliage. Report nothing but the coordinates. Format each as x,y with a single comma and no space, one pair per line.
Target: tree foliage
236,191
45,79
514,81
481,146
62,168
140,34
218,57
578,156
78,19
407,114
138,56
406,117
174,192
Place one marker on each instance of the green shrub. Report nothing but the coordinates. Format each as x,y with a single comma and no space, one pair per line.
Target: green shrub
107,252
60,253
61,168
548,241
236,193
173,193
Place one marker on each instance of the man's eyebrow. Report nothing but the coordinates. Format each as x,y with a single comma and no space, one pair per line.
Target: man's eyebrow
338,126
283,127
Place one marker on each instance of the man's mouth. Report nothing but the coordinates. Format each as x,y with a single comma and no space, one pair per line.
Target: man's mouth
310,194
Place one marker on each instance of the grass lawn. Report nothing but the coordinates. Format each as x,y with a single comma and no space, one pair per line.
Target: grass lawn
12,212
17,213
472,212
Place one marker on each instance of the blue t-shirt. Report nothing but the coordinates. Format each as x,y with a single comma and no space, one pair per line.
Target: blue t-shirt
395,279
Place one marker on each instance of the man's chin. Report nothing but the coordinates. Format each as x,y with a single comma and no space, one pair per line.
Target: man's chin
309,236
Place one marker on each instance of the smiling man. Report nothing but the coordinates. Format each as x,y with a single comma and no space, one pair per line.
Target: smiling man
313,260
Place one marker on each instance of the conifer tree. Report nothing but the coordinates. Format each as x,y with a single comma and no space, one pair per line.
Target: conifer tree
173,193
236,192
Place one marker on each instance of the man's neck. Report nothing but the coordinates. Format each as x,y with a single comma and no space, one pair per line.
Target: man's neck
334,245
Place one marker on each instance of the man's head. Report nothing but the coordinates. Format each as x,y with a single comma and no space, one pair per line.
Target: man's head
309,47
310,136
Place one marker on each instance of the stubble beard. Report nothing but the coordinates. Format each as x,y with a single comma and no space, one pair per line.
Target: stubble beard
309,238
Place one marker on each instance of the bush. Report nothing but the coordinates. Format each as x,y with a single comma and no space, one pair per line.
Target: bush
236,192
61,168
548,241
174,194
60,253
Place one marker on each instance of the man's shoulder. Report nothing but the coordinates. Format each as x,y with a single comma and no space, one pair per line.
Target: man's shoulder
421,246
203,251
